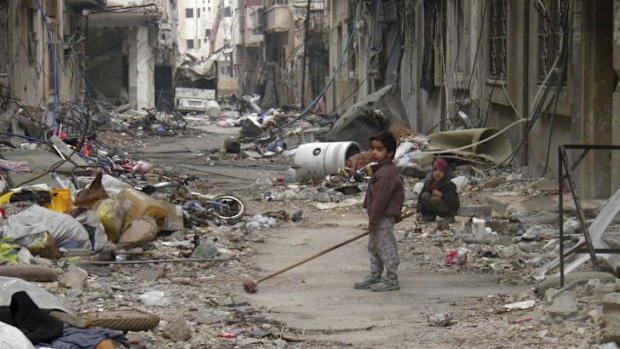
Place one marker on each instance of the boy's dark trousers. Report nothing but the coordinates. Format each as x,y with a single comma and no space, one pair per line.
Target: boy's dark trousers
434,206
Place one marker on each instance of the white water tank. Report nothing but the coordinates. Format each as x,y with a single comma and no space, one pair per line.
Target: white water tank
213,109
315,160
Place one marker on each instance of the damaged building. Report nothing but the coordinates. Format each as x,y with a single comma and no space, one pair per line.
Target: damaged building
284,76
42,51
132,50
544,70
248,43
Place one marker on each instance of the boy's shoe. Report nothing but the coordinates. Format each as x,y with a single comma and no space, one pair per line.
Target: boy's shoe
368,282
386,285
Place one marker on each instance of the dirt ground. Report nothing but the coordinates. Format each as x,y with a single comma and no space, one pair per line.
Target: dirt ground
317,300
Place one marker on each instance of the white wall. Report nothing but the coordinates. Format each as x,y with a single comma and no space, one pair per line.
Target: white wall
194,28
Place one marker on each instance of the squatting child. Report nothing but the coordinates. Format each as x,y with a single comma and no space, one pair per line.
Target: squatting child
438,196
383,203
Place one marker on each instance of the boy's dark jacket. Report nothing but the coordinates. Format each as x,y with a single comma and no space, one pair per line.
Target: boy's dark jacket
447,189
386,193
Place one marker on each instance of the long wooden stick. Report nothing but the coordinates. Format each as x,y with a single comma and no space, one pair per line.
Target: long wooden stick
405,215
312,257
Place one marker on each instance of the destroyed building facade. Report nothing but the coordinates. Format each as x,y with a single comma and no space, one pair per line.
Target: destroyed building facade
42,50
131,46
553,63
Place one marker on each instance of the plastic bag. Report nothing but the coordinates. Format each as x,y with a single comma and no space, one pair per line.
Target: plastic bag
95,229
112,215
40,244
141,231
141,205
12,337
66,230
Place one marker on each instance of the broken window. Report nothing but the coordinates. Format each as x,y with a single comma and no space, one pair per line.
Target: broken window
208,33
497,39
189,13
190,44
550,15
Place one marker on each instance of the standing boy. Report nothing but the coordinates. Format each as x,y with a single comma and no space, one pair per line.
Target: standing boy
383,203
438,196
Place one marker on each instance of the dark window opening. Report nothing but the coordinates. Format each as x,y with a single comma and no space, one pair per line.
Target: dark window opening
497,39
550,16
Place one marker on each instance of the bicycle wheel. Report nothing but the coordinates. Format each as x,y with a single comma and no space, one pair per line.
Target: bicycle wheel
231,208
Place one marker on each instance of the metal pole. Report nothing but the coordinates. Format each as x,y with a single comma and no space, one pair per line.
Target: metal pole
561,211
305,58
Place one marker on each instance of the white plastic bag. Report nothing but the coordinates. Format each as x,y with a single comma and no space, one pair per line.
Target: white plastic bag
12,338
66,230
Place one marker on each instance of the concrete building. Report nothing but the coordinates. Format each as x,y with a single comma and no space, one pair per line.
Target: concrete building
284,49
553,63
41,50
132,50
222,49
195,27
248,41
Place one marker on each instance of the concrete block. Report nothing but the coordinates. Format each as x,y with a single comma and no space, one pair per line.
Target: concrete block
179,330
611,303
475,211
564,306
39,161
610,328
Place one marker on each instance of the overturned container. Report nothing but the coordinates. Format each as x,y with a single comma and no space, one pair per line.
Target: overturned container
316,160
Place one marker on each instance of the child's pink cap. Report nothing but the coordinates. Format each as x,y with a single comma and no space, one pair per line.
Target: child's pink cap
440,164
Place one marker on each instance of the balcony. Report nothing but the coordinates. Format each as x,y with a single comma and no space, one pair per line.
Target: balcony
278,18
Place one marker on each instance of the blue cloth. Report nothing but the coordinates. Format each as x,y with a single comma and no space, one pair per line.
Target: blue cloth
85,338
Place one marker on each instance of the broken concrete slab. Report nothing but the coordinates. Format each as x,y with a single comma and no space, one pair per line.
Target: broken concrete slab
66,151
39,161
596,229
73,278
554,282
377,112
610,327
178,330
564,306
611,303
505,206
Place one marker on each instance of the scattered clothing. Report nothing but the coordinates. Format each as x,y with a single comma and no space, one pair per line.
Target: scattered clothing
36,324
87,338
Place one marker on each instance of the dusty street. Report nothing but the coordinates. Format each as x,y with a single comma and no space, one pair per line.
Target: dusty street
316,304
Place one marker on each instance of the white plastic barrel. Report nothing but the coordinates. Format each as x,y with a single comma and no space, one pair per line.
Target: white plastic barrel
315,160
213,109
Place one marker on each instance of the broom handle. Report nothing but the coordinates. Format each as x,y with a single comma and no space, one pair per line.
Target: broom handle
405,215
312,257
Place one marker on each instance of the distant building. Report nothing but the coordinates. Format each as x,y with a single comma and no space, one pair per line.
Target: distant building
195,28
132,50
